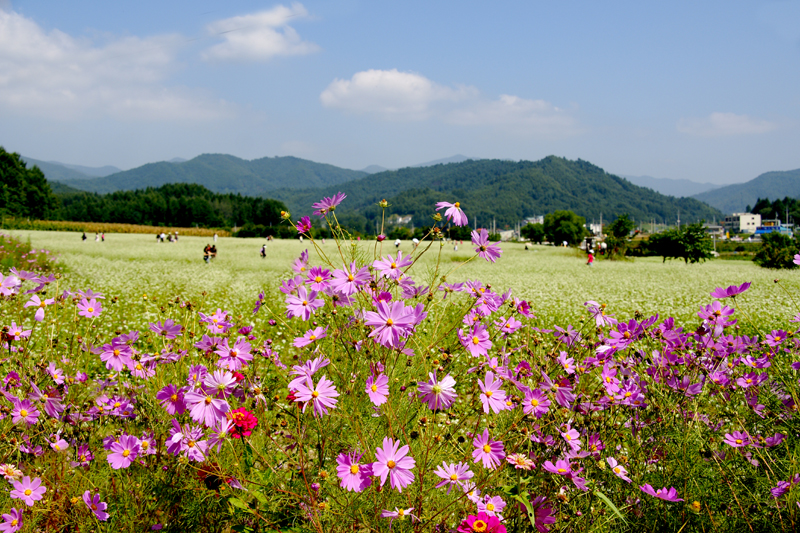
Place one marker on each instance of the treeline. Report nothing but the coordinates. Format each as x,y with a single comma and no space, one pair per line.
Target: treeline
777,209
24,192
176,204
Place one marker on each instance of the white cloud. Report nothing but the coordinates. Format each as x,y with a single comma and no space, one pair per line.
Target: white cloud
395,95
56,75
259,36
725,124
390,94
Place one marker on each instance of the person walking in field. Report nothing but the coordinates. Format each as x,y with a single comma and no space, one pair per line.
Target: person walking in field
207,253
83,237
263,251
590,260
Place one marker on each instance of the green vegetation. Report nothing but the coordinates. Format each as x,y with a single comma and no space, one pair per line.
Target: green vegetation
503,190
734,198
533,232
777,209
618,235
15,253
777,251
564,226
179,204
224,174
690,243
24,192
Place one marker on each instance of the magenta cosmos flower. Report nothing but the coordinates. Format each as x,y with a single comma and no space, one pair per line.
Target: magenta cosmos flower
304,225
737,439
311,336
40,305
453,213
618,469
24,411
377,389
492,394
204,407
489,452
236,356
28,491
438,394
322,395
355,476
481,523
670,495
124,452
393,461
96,506
485,249
12,521
731,291
304,304
167,329
349,280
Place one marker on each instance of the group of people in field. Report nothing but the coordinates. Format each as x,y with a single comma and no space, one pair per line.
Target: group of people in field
169,237
98,237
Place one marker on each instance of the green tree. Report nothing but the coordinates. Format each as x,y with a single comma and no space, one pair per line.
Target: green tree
560,226
533,232
690,243
618,236
24,192
777,251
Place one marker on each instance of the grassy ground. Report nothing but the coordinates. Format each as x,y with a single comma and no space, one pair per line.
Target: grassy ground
555,280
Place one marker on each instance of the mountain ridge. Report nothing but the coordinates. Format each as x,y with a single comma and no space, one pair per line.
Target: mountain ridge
735,198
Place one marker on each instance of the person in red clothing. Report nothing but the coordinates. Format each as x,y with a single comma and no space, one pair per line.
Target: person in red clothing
591,258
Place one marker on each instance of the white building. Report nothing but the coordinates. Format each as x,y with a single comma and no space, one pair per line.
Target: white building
742,223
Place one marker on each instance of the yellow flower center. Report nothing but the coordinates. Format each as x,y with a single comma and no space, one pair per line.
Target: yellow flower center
349,277
534,402
318,279
400,513
453,477
23,413
116,405
116,353
374,388
312,337
126,453
479,526
94,507
489,394
315,394
145,445
389,321
490,507
457,205
56,447
138,366
475,340
738,441
28,492
394,265
354,469
616,470
190,444
391,464
305,302
562,470
486,448
567,436
90,309
173,398
208,400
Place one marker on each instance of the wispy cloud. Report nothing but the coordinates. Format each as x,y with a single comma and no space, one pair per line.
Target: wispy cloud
259,36
725,124
404,96
56,75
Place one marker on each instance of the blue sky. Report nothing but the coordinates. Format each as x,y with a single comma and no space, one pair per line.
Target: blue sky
706,91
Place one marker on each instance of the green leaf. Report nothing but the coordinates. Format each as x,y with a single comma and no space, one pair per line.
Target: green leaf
524,500
236,502
610,505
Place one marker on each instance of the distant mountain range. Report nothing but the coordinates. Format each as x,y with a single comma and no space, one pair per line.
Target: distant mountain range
506,191
55,171
680,188
222,173
735,198
458,158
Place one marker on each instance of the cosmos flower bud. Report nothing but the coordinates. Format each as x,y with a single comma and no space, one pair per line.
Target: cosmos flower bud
383,203
437,217
381,238
285,215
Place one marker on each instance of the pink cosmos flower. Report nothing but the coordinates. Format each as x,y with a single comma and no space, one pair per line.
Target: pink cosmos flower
89,308
171,399
234,357
485,250
393,461
311,336
618,469
520,462
572,437
453,474
28,491
489,452
322,396
204,407
377,389
796,260
737,439
492,395
12,522
477,342
318,278
40,305
304,304
328,204
399,514
124,452
492,506
96,506
17,333
24,411
349,280
731,291
354,476
392,267
9,285
438,394
453,213
167,329
58,444
536,403
391,322
670,495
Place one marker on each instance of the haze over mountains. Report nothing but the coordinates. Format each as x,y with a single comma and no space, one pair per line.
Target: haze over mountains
735,198
671,187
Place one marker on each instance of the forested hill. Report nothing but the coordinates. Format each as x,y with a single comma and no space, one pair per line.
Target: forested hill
506,190
735,198
222,173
